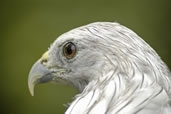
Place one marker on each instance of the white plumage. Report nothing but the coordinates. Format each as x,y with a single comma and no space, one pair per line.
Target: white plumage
115,71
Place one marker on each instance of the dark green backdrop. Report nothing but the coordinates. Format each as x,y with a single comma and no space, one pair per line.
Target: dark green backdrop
28,27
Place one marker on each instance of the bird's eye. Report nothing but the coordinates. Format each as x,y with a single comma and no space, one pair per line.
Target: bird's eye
69,50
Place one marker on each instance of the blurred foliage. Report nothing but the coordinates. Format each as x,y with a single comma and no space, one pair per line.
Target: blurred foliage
28,27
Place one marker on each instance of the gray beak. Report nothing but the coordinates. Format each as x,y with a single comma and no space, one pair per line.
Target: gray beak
39,74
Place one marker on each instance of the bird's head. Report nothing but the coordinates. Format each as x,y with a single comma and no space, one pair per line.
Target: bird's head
75,58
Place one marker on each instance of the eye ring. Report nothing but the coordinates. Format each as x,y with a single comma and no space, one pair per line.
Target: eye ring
69,50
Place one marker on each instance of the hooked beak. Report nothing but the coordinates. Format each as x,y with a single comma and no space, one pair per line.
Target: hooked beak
39,73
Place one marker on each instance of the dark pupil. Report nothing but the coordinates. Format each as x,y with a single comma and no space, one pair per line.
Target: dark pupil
69,49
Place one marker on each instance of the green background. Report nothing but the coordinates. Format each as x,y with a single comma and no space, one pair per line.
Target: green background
28,27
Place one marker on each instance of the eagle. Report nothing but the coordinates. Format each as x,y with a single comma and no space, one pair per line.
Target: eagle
114,70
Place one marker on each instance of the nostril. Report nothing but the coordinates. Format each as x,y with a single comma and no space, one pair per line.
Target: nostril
43,61
44,58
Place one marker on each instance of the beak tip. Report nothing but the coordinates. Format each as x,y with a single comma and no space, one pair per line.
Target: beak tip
32,93
31,89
